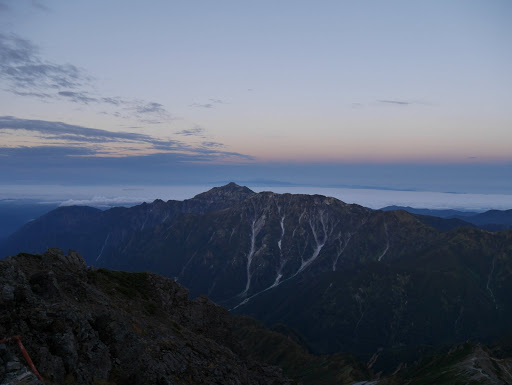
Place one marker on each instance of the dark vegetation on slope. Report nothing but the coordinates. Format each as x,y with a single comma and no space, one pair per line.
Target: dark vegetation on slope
463,364
274,348
456,290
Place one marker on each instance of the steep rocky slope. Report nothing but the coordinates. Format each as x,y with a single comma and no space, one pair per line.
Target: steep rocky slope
84,326
229,242
94,232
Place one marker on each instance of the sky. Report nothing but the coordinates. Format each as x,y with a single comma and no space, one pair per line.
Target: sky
395,94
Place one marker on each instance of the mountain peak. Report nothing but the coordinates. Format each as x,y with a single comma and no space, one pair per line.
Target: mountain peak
232,186
230,191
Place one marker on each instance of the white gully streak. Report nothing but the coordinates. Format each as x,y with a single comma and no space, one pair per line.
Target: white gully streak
104,244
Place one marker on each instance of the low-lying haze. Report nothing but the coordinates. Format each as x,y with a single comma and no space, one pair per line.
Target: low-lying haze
109,196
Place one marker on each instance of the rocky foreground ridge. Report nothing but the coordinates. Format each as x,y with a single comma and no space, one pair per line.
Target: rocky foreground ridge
95,326
83,325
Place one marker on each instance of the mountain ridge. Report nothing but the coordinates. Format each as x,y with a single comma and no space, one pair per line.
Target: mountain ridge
493,220
373,279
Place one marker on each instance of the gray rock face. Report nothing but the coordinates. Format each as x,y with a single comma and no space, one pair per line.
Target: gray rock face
7,293
12,370
86,326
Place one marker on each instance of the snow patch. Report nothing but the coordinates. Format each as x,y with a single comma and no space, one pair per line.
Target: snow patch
387,243
342,245
282,232
256,227
104,244
319,243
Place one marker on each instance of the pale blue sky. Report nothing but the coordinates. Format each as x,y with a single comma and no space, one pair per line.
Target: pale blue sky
257,82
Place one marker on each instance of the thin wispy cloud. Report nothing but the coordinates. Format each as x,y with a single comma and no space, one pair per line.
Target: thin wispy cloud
196,131
389,102
146,112
206,105
69,132
114,101
24,73
210,104
151,108
40,95
213,144
78,97
151,112
399,102
200,133
39,6
48,152
97,142
21,67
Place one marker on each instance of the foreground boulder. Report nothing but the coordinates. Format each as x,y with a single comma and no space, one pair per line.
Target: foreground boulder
83,325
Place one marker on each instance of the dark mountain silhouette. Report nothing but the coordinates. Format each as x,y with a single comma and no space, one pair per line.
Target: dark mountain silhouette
493,220
15,213
492,217
443,224
447,213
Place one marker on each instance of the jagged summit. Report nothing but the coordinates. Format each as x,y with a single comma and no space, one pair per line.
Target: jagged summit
233,185
230,192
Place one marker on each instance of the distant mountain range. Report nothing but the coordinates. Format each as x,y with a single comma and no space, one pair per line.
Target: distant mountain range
493,220
344,277
15,214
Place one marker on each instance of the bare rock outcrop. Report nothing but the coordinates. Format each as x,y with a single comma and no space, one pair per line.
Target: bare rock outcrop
84,325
